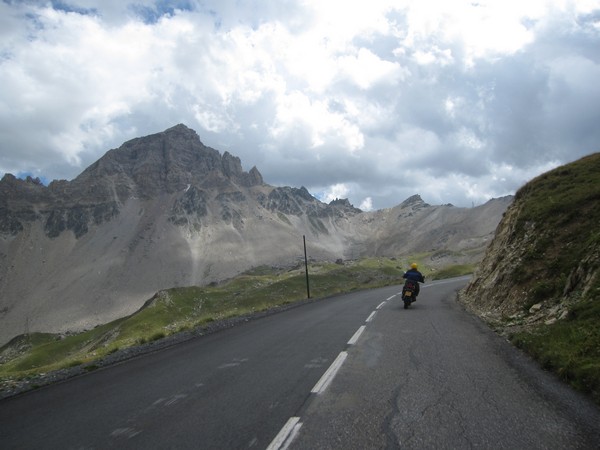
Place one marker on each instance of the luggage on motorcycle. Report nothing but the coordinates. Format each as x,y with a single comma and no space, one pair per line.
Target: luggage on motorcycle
408,293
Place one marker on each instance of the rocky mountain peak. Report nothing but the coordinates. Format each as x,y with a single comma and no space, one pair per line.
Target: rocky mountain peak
10,182
414,201
232,168
163,163
168,162
344,205
166,210
16,199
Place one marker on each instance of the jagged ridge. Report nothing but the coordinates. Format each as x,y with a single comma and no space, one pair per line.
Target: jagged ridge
145,167
164,210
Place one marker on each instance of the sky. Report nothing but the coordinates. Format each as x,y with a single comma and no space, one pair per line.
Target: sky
374,101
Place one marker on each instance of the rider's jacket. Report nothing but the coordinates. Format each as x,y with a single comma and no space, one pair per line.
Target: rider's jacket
414,274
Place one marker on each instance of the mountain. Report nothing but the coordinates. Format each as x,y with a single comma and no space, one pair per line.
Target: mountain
165,211
539,282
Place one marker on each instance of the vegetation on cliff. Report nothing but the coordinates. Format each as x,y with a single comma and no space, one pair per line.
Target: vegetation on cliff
539,282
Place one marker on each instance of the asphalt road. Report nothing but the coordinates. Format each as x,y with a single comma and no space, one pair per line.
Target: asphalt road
435,377
429,377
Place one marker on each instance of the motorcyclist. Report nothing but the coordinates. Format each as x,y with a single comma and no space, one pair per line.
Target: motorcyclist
414,275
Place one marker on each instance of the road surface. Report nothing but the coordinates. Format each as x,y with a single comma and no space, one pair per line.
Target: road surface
353,371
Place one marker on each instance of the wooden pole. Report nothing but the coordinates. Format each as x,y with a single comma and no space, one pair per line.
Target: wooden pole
306,267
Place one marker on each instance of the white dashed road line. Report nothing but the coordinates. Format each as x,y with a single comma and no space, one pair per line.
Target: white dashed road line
289,431
285,437
354,338
328,376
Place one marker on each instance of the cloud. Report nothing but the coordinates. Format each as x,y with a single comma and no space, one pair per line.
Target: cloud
459,102
335,192
366,204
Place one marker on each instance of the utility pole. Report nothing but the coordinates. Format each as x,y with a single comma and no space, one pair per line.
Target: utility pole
306,267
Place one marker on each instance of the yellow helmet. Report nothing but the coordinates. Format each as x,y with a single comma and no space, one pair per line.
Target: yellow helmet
413,266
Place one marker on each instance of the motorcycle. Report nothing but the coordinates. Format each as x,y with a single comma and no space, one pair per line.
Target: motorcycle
409,293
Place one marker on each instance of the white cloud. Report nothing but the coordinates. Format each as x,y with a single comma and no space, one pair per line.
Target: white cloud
335,192
366,69
483,28
458,101
366,204
434,56
316,122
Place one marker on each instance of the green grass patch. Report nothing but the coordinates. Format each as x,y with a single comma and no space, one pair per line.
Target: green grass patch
184,308
557,229
571,347
457,270
559,213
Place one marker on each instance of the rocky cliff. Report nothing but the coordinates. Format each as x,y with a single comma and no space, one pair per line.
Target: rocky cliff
545,256
165,210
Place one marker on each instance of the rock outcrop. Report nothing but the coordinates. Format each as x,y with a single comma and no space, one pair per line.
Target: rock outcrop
545,256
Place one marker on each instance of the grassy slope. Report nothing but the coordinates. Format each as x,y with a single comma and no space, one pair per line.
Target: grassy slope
174,310
564,206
